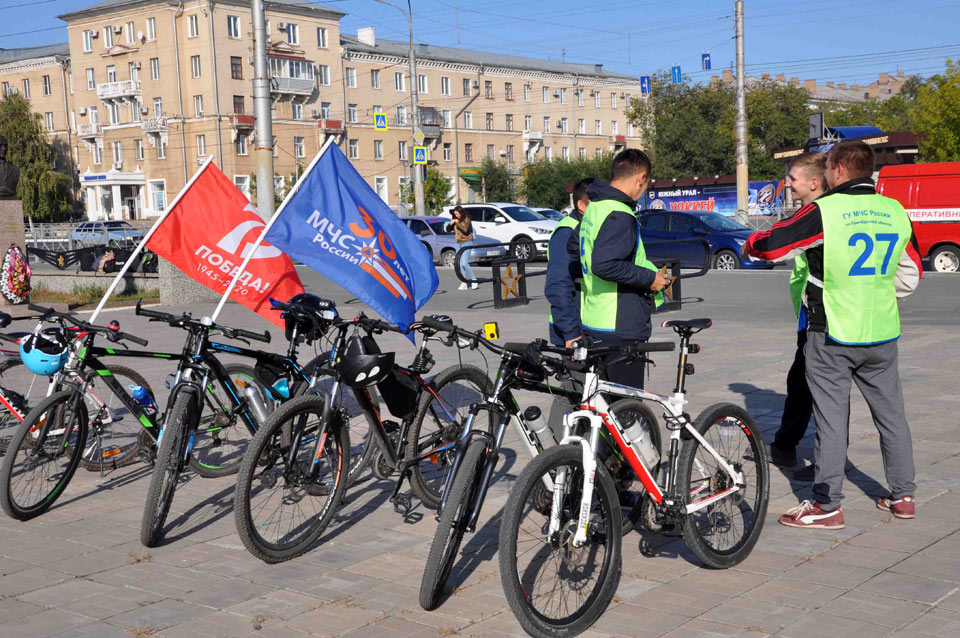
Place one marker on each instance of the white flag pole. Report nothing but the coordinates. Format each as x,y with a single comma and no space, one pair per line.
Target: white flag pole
252,249
143,242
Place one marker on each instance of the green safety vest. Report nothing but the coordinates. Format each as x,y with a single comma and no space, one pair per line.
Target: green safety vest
864,237
598,297
567,222
798,281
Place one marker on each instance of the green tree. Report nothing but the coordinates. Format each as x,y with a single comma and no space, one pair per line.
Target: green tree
545,181
46,194
279,191
499,182
937,114
436,192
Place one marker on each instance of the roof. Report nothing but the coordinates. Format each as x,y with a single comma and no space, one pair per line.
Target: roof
469,56
297,6
28,53
850,132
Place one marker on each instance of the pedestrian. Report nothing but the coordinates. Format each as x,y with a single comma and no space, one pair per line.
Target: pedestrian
462,227
806,180
619,282
562,286
862,256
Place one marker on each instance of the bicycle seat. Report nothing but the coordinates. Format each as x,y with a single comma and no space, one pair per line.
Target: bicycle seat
688,324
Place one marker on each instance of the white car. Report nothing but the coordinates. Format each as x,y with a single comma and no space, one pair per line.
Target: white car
526,231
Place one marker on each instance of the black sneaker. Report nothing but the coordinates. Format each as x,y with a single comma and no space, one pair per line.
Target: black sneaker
781,457
805,474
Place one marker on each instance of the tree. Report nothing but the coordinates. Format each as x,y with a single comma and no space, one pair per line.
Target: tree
937,113
46,194
279,190
499,182
436,192
545,182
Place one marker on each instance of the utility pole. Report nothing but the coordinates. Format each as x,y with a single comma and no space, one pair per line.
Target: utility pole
456,135
743,192
262,113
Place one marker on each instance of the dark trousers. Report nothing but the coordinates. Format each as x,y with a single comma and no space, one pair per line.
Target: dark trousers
798,406
624,373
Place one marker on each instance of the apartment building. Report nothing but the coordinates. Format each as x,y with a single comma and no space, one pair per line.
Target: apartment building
884,87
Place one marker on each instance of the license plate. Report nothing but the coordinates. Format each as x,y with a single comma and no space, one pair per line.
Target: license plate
493,253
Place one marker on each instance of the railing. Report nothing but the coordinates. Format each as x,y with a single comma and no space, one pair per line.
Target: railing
59,237
298,86
90,130
241,120
122,89
157,124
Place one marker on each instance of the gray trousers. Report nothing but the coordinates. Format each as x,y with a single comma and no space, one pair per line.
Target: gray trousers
830,369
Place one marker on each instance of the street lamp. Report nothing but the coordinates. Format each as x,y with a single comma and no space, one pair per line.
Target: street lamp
417,174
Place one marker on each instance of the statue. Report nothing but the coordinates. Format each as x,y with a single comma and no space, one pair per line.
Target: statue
9,174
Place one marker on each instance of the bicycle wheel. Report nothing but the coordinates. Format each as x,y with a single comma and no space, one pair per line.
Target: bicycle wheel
438,424
222,434
119,428
20,390
553,588
724,533
168,467
452,525
281,508
43,455
630,489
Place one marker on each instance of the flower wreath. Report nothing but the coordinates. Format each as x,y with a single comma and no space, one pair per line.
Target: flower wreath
15,276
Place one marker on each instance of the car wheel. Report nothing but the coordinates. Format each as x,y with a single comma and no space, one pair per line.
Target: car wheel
523,248
447,258
945,259
726,260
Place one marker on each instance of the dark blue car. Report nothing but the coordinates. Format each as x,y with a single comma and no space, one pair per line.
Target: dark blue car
724,235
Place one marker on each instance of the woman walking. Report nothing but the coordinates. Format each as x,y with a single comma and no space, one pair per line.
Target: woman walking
463,229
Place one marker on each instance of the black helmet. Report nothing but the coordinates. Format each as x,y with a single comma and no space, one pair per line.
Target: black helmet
313,317
362,363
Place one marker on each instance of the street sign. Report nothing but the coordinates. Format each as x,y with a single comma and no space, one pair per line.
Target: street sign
677,77
644,85
705,61
816,126
380,121
419,154
418,136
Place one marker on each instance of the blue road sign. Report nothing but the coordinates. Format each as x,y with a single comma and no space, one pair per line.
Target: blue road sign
644,84
705,60
380,121
677,77
419,154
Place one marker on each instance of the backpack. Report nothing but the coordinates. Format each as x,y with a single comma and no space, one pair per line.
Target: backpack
15,275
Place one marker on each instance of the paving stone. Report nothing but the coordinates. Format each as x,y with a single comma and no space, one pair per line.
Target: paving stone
795,593
333,620
45,623
158,615
906,587
699,628
873,608
393,627
824,571
630,620
756,615
942,623
219,624
812,624
30,579
279,604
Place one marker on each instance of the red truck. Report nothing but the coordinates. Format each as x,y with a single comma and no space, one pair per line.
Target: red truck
931,195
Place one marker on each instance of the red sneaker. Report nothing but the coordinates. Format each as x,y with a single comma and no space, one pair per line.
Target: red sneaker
808,514
903,507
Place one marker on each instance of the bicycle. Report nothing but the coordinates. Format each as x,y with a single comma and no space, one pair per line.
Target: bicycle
477,452
19,388
559,519
285,451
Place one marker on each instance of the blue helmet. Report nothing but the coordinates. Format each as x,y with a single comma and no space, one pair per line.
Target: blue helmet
44,354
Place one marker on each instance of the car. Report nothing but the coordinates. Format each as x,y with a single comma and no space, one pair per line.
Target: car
442,243
724,235
550,213
525,230
118,234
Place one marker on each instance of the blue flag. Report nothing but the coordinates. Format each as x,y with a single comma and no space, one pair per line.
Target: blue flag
338,226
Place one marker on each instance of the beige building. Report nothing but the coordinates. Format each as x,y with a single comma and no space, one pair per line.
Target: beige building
884,87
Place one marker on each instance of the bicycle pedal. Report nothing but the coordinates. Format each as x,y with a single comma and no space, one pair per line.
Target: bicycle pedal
315,489
402,502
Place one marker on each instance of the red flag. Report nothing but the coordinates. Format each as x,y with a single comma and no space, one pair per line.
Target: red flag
208,233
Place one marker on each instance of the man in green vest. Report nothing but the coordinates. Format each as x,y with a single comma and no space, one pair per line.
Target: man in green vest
562,286
619,287
862,256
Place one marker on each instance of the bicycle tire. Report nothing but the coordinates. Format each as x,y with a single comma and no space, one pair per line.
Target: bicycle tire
627,482
167,468
453,521
118,455
560,551
21,444
12,372
700,528
428,488
266,449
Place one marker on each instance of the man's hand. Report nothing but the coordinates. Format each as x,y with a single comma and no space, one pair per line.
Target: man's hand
573,342
746,250
660,282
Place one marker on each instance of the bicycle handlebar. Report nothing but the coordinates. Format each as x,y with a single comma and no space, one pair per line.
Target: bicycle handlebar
187,321
111,333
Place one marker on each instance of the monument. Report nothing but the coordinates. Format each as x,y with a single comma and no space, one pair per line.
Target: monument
11,211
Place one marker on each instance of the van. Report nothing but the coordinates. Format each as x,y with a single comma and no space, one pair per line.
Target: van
930,193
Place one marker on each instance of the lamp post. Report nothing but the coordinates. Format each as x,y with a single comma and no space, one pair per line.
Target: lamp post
456,136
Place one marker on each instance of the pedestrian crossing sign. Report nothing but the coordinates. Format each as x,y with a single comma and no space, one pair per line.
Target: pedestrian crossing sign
419,154
380,121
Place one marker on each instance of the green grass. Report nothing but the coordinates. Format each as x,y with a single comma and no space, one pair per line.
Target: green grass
88,295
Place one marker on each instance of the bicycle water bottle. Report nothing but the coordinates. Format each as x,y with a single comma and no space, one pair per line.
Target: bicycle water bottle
533,417
638,438
143,398
282,388
255,400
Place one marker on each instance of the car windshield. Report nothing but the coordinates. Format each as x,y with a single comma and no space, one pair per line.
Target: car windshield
523,214
437,226
720,223
549,213
119,226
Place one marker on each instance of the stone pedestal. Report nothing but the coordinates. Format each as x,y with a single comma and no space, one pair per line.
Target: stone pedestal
11,231
176,289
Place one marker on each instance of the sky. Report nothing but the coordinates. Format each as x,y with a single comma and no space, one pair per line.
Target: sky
838,40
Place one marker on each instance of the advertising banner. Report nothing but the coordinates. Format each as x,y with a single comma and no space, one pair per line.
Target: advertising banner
766,198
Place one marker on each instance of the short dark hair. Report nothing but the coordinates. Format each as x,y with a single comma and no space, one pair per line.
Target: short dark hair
580,189
857,157
628,163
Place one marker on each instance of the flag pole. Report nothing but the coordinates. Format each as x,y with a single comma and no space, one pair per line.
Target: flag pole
146,238
253,248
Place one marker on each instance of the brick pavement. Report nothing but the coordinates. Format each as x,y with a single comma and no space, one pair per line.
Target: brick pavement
80,570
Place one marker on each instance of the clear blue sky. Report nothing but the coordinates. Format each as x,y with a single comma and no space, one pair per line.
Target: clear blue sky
858,38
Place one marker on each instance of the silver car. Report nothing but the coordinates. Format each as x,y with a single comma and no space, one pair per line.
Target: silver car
442,243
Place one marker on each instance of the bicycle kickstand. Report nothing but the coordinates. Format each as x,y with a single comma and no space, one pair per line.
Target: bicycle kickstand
401,501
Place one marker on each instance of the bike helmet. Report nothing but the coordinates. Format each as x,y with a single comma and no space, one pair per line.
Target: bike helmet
362,364
313,319
44,354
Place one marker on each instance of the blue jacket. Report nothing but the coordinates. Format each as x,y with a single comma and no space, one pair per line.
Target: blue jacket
562,289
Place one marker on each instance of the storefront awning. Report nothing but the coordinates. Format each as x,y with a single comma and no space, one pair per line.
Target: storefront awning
471,173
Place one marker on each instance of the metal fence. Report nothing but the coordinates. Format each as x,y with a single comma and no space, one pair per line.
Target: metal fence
61,237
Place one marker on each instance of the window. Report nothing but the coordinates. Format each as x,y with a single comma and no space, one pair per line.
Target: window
546,123
323,74
614,127
325,110
526,92
596,99
138,149
193,26
198,105
468,152
466,86
579,97
242,183
447,151
154,68
378,149
597,127
467,119
236,67
508,90
296,109
128,31
563,125
548,152
509,121
422,85
293,34
98,152
630,129
195,65
375,79
380,185
114,113
563,96
581,126
321,37
510,153
565,152
527,122
298,147
488,89
158,194
48,118
401,115
352,113
117,152
489,120
490,151
354,149
134,71
351,77
445,85
399,82
238,106
447,118
94,115
87,41
107,37
546,94
46,85
613,100
402,150
151,28
157,106
70,81
201,145
598,152
233,27
582,153
161,149
135,107
241,144
111,73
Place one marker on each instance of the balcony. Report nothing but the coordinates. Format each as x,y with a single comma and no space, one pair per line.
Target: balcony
619,141
155,125
283,85
125,91
241,121
330,126
532,141
89,131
